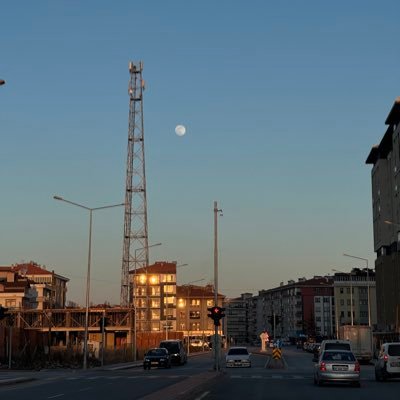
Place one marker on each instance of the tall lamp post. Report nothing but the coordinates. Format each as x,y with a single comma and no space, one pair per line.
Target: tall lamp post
85,343
368,299
351,296
134,300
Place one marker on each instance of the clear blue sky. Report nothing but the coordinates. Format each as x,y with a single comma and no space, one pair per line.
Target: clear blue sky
282,102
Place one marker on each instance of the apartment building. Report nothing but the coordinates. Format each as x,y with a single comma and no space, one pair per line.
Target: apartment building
353,305
15,291
192,314
302,307
385,182
238,319
153,294
47,288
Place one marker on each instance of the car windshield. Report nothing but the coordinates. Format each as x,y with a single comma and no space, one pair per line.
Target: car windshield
236,352
338,356
394,350
337,346
157,352
171,347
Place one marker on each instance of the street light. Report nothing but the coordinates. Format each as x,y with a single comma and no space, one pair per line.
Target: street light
368,300
351,295
85,343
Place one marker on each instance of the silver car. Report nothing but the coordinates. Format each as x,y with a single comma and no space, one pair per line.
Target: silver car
238,357
337,366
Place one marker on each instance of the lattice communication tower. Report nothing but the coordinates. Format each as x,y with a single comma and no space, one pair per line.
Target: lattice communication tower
135,249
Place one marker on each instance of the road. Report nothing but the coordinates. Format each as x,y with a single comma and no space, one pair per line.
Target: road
258,382
294,382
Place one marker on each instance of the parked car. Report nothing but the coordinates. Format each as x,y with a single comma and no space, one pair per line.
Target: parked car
158,357
176,350
337,366
388,363
238,357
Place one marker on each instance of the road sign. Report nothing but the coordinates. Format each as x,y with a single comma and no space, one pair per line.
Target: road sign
276,353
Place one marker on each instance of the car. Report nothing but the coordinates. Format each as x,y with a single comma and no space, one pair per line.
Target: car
238,357
158,357
176,349
337,366
335,345
388,363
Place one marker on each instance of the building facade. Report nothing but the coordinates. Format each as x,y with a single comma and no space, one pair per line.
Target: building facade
353,305
385,182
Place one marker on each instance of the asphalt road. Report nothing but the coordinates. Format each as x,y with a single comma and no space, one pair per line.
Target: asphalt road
294,382
258,382
134,383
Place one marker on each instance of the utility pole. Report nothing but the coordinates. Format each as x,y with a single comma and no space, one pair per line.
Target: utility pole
135,220
217,344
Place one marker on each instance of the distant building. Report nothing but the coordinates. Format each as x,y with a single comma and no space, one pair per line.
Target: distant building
238,315
14,290
192,314
46,289
351,296
305,307
153,294
49,288
385,179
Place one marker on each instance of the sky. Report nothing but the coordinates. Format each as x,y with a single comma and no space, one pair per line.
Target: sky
282,102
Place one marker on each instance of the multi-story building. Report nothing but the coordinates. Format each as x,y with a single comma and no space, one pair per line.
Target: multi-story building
302,307
192,314
46,288
154,296
385,178
352,302
238,314
14,290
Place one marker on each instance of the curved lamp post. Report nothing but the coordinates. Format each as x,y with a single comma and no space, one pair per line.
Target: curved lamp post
85,344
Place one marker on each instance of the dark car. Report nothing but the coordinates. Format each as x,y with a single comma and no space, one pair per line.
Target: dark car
176,350
158,357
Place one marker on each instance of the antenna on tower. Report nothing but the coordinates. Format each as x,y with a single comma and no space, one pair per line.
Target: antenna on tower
135,220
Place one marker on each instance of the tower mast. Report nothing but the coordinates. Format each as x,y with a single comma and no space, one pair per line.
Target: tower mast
135,220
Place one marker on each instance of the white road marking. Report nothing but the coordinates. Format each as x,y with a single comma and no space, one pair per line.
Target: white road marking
56,395
202,396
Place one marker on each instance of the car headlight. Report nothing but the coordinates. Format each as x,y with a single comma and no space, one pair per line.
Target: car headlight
147,359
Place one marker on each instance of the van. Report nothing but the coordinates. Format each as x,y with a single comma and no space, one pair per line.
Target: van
176,349
388,363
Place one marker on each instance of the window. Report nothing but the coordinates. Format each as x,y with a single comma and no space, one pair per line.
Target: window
155,303
167,278
210,303
194,314
318,300
348,314
169,289
155,290
348,302
341,290
155,314
195,302
348,290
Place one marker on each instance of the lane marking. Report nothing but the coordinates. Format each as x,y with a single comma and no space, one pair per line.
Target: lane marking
56,395
202,396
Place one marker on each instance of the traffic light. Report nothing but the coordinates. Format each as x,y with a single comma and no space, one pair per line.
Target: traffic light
216,313
3,312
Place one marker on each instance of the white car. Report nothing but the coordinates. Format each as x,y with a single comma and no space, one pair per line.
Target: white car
388,363
238,357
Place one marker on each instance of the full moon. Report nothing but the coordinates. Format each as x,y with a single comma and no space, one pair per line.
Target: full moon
180,130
